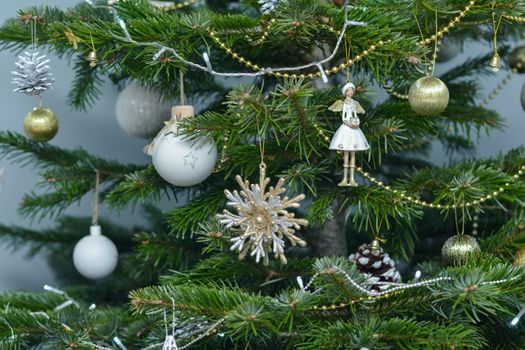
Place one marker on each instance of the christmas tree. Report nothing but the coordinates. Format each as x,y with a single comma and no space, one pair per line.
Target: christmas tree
304,211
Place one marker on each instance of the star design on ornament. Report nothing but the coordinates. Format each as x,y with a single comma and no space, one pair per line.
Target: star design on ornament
190,160
262,220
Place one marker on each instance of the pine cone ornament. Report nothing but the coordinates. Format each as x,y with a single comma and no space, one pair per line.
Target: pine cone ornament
372,261
267,6
32,74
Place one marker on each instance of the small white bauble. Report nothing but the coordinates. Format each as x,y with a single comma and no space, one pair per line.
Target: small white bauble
141,111
182,162
95,256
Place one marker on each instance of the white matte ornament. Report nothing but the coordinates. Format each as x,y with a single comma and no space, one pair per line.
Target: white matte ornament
141,111
180,161
95,256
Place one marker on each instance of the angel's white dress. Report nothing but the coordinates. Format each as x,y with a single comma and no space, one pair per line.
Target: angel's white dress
349,137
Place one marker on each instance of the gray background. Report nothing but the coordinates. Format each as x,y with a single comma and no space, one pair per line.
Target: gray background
98,132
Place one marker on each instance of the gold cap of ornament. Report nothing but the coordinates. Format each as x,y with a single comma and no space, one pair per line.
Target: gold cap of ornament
182,112
375,245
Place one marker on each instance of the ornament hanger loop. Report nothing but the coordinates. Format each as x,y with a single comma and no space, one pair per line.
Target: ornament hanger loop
96,199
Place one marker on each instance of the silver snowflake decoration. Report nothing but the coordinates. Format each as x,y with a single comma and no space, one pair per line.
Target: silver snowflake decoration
267,6
32,75
262,221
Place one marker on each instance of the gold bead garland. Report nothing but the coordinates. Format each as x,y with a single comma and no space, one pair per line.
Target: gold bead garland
394,93
449,26
224,157
330,71
514,18
342,66
415,200
498,88
266,32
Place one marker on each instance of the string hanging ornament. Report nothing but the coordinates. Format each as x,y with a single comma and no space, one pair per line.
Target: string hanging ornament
177,159
495,61
429,96
458,248
32,77
95,256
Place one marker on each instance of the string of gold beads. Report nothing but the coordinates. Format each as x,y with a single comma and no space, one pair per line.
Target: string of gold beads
455,21
514,18
394,93
266,32
498,88
415,200
321,132
223,157
329,71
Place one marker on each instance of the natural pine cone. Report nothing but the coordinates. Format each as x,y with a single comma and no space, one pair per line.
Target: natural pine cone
376,264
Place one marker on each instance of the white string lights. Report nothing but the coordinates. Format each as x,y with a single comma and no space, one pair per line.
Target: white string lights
208,67
372,294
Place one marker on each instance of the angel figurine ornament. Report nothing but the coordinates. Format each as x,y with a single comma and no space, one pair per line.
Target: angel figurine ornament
349,138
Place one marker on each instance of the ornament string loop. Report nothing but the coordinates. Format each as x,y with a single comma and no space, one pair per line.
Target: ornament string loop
181,88
96,199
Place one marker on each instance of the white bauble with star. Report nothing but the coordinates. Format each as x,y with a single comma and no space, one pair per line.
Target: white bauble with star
95,256
180,161
141,111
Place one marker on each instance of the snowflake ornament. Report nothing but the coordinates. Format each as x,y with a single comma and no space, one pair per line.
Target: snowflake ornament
262,220
32,75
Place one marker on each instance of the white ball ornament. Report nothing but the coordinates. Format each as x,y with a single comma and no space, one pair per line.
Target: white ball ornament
141,111
95,256
180,161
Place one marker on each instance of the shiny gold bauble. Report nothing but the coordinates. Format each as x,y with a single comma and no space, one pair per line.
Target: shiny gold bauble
41,125
458,248
517,59
519,257
428,96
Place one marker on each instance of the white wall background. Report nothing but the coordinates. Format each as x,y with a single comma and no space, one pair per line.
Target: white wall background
98,132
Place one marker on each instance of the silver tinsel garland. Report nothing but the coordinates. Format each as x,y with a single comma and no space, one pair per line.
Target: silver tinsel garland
32,75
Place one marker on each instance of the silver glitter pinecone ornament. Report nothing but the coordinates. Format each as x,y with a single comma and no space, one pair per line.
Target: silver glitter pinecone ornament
32,75
372,261
458,248
267,6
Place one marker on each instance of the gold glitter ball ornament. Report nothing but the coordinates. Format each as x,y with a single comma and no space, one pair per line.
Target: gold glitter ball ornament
519,257
428,96
517,59
262,221
41,124
458,248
